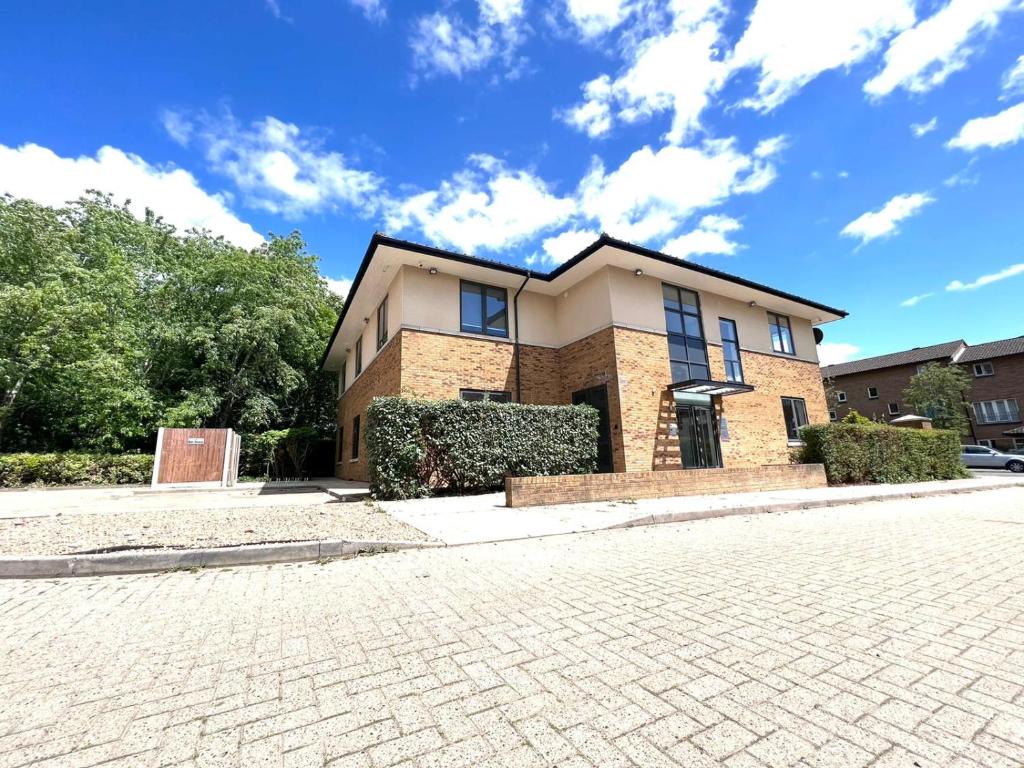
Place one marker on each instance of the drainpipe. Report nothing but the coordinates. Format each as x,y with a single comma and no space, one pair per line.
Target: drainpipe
515,308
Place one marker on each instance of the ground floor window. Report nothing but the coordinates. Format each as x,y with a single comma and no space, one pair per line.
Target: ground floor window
794,409
1018,442
485,395
894,409
355,438
833,416
986,443
996,411
340,448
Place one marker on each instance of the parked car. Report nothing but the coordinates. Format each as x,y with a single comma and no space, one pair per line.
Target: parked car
980,457
1016,451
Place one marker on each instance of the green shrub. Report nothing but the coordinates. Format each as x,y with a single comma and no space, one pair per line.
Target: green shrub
278,453
862,453
415,446
18,469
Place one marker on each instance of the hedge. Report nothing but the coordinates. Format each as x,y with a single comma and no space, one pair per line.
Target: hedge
859,453
414,447
18,469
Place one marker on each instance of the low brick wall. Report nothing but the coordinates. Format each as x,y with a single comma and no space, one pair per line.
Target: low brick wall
566,489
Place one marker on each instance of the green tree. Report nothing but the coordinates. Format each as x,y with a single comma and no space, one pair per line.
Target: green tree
939,392
111,326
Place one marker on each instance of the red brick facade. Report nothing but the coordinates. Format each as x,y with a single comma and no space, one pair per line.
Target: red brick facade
632,364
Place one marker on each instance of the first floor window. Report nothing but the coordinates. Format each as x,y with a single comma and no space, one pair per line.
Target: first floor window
355,438
894,409
996,411
687,352
359,355
794,409
484,309
872,393
781,333
382,323
485,395
840,397
730,349
984,369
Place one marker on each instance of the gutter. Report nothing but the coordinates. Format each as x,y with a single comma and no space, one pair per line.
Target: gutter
515,308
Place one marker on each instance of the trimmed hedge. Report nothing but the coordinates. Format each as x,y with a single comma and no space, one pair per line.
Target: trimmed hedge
18,469
416,446
861,453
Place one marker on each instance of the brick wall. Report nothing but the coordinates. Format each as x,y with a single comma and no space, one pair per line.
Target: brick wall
756,425
1007,383
591,362
644,372
890,383
531,491
380,378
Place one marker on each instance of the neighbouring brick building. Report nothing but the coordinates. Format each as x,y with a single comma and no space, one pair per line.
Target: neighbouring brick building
688,366
874,386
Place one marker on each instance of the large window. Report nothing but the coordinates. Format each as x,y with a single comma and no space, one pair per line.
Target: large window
382,323
485,395
782,335
484,309
795,412
355,439
687,352
996,411
359,355
730,349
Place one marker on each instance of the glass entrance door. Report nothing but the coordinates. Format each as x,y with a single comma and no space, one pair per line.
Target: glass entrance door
698,436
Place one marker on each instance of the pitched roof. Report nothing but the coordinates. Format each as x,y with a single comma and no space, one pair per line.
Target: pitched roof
906,357
987,351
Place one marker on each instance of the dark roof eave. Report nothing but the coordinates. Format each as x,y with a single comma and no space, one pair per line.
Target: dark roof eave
428,250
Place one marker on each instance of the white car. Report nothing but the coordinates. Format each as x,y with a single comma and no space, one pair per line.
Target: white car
980,457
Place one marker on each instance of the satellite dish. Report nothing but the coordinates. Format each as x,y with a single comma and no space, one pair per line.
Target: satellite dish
818,335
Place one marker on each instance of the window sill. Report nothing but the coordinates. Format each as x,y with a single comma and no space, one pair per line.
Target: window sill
353,461
795,443
479,335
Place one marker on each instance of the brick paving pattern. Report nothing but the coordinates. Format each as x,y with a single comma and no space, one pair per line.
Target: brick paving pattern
889,634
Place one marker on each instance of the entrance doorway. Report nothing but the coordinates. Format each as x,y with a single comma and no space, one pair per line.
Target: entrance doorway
597,397
698,436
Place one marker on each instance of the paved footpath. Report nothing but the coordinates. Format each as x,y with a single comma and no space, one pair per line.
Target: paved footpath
887,634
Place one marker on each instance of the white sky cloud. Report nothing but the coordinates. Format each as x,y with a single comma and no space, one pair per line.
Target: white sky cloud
339,285
999,130
1013,79
485,206
278,166
676,71
1003,274
710,237
913,301
561,248
885,221
920,129
833,352
791,42
374,10
446,44
924,56
653,192
593,18
39,174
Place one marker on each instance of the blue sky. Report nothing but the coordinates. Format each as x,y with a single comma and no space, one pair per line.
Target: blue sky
865,154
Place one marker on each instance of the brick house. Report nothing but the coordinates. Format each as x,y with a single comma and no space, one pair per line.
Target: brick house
874,386
687,366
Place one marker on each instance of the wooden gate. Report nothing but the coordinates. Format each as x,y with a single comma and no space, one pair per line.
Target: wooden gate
207,456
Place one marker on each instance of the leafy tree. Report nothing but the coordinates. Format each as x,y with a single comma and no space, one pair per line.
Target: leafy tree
854,417
111,326
939,392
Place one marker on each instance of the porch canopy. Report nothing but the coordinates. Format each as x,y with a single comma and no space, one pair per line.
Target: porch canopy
711,388
1015,432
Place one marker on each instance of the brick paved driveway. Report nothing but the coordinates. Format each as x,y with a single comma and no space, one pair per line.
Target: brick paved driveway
888,634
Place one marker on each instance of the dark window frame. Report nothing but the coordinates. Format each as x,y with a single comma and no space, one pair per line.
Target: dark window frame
792,428
789,334
343,378
382,327
355,438
341,445
485,329
487,395
735,341
685,337
359,357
